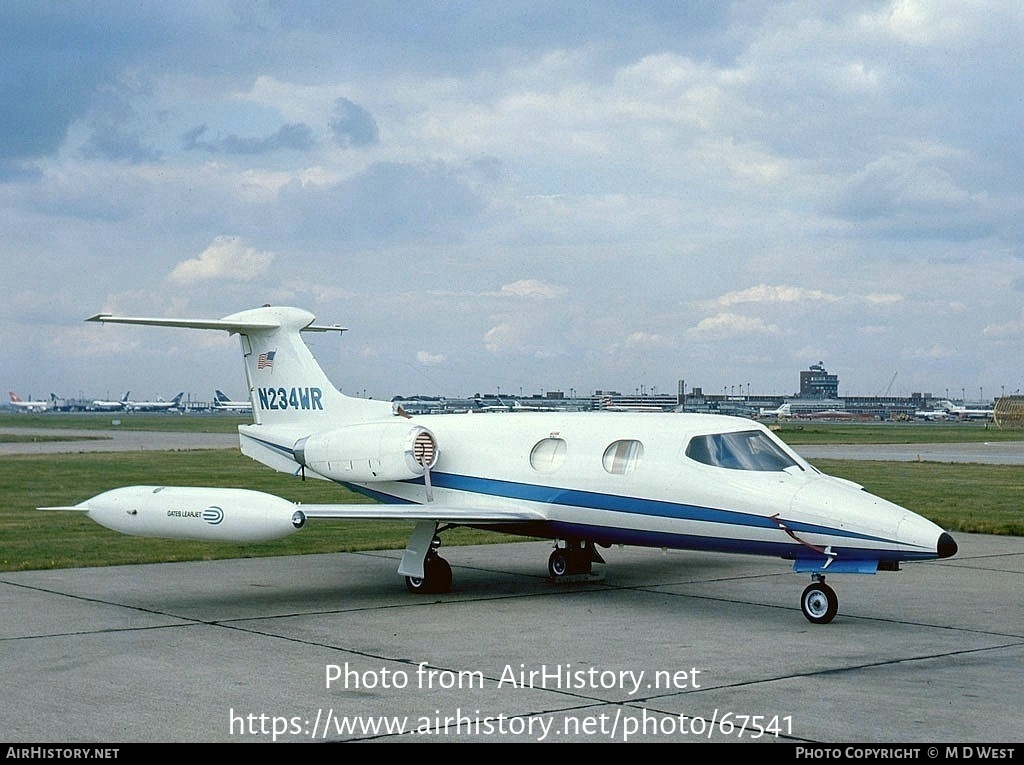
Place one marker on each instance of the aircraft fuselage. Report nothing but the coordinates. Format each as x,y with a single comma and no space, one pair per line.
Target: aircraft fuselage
612,479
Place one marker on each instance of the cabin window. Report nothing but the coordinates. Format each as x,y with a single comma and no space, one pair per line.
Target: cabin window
622,456
548,455
746,450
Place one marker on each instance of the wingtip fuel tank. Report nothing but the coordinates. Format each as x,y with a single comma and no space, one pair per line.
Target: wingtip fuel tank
181,512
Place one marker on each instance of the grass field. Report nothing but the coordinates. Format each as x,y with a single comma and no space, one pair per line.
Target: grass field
959,497
175,423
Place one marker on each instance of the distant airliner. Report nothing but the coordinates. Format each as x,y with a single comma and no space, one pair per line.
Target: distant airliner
110,406
782,411
27,406
933,414
221,401
153,406
585,480
961,412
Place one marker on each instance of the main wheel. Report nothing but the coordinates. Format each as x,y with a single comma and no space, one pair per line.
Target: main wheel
416,584
819,603
437,577
439,573
558,563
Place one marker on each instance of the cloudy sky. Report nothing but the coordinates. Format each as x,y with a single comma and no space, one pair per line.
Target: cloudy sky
522,196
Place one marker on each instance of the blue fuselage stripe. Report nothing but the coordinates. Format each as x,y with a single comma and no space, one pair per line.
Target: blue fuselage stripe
554,495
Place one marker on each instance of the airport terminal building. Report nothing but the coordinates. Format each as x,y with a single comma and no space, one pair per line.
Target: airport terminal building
818,397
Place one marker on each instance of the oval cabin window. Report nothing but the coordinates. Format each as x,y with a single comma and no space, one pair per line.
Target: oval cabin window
622,457
548,455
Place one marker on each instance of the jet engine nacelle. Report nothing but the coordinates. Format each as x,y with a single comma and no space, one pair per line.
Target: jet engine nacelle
392,450
185,512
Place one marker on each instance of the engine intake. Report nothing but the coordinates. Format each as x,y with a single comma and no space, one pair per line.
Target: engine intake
367,452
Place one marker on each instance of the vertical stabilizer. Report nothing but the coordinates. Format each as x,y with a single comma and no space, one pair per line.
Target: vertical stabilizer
287,387
286,383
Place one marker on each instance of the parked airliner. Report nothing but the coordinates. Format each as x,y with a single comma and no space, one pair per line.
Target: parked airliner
222,402
782,411
154,406
27,406
586,480
103,405
961,412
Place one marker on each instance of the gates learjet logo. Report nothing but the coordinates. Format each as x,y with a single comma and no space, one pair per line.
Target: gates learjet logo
213,515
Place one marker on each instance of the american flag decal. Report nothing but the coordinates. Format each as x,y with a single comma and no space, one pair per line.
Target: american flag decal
266,360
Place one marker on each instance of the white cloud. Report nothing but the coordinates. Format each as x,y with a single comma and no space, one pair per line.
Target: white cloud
874,329
504,338
226,259
533,289
929,353
726,325
883,298
429,359
641,340
766,293
1009,329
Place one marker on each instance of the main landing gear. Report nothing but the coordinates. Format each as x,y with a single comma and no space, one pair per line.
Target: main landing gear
573,561
436,579
437,573
819,601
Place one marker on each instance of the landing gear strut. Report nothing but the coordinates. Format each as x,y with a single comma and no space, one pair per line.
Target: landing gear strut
819,601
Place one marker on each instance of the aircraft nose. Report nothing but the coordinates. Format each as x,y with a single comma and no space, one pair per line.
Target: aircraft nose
947,546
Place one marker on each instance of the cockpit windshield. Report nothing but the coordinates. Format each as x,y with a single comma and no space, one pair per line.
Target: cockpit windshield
745,450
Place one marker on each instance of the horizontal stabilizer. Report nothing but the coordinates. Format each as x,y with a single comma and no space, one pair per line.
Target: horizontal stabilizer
228,325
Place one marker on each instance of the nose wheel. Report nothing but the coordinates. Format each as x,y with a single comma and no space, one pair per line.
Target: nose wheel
819,602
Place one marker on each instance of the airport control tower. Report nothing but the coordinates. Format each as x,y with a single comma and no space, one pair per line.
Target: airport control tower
816,382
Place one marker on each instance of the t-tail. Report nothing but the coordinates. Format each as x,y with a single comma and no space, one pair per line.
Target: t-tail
291,395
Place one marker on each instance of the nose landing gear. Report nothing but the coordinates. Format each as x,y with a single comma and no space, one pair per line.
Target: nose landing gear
819,601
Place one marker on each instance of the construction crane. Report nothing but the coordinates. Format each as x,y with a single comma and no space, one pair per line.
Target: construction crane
888,387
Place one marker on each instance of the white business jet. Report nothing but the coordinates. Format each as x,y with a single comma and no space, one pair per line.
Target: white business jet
586,480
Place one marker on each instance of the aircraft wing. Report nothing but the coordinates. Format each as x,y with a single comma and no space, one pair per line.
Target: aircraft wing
425,512
239,515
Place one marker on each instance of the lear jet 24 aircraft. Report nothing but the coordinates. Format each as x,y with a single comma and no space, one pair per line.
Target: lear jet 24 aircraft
586,480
